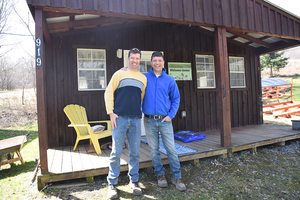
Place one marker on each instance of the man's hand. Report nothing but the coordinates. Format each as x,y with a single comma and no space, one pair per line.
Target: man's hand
167,119
124,68
113,118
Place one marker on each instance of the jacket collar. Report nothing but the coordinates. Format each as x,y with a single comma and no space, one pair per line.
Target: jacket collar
163,71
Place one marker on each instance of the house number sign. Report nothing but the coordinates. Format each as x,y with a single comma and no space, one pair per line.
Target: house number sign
38,44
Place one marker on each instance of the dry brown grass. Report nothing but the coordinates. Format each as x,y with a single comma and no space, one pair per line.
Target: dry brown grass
13,113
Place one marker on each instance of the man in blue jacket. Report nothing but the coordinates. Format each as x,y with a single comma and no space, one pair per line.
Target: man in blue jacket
160,106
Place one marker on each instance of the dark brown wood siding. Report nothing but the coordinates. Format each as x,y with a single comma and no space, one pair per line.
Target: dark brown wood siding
256,15
179,43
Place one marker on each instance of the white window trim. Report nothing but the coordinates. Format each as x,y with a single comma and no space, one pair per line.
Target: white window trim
214,71
92,69
236,72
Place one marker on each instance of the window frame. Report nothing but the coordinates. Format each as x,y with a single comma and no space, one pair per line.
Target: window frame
91,69
237,72
196,71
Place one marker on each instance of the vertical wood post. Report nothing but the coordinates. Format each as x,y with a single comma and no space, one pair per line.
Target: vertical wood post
41,93
223,85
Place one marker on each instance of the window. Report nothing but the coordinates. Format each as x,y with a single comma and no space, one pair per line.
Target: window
145,64
237,72
91,66
205,71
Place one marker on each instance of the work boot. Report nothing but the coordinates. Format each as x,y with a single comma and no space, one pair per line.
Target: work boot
162,182
112,192
179,184
136,189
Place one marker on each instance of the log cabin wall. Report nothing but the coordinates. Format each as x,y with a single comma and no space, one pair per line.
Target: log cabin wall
179,44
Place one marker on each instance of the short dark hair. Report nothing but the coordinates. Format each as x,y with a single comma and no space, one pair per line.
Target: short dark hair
157,54
134,50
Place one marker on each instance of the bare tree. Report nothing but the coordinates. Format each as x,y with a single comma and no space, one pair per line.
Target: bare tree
6,8
14,12
6,75
26,74
28,63
26,22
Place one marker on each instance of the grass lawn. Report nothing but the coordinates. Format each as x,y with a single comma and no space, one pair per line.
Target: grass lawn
15,179
296,89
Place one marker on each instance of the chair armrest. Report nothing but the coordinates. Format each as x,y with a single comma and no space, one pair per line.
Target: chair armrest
106,121
75,125
99,121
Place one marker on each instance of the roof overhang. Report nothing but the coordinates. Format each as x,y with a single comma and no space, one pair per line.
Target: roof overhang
59,21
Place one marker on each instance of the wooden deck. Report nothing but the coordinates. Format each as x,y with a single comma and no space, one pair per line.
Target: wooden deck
66,164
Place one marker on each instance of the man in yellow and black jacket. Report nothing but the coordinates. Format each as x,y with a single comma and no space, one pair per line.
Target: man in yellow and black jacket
123,97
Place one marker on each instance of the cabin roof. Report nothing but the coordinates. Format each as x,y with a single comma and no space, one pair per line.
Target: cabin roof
256,23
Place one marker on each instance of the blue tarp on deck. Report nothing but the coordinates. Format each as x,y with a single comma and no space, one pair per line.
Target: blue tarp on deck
273,82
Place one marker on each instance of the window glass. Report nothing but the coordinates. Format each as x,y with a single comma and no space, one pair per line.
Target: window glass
91,66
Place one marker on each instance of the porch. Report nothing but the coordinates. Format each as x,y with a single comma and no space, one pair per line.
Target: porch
66,164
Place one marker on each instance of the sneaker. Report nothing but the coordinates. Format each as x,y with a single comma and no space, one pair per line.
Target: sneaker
162,182
179,184
136,189
112,192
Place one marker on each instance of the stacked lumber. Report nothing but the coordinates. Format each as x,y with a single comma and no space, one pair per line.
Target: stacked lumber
282,109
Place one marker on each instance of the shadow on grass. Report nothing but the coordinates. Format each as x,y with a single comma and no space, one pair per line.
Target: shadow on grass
17,168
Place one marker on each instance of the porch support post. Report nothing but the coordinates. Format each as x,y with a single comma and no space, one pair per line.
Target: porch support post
40,88
223,85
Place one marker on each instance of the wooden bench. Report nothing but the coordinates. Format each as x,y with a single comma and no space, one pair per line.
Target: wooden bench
285,108
9,147
286,114
276,104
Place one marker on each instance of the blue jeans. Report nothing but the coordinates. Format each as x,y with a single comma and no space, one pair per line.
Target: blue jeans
153,128
130,127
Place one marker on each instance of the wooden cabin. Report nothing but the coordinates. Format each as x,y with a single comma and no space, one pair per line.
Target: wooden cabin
81,43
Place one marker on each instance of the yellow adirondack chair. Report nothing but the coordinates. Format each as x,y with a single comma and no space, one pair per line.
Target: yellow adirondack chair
78,118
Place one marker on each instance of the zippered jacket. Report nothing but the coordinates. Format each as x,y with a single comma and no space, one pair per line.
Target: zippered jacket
162,95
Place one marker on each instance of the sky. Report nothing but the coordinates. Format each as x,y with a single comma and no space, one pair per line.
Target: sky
293,6
19,36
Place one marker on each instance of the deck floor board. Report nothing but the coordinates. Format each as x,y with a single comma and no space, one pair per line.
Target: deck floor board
76,160
57,161
69,164
85,158
66,160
